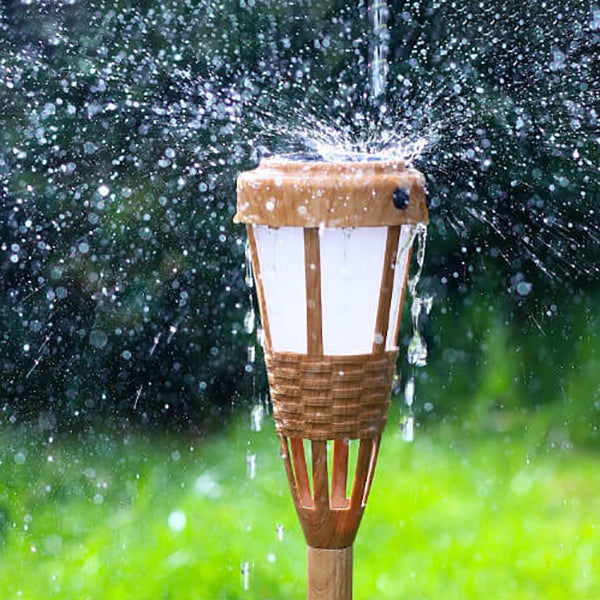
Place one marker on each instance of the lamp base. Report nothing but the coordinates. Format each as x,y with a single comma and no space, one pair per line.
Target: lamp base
329,574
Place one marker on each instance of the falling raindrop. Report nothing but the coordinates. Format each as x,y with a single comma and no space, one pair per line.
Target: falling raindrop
407,427
409,392
251,465
251,355
245,571
256,417
249,320
248,271
279,530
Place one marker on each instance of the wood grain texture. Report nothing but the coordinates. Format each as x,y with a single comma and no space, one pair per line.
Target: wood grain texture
264,317
300,194
371,473
320,476
387,287
300,472
314,314
362,471
285,452
329,574
339,476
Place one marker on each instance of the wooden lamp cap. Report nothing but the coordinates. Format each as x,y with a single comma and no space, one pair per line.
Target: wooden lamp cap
287,193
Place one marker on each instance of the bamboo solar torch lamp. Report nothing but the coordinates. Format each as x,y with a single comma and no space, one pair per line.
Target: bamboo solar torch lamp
330,245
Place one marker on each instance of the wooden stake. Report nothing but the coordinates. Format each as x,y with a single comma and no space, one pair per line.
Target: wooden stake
329,574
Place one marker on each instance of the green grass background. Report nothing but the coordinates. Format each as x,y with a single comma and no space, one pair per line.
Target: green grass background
504,513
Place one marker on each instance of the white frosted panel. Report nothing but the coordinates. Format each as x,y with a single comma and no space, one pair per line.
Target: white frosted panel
351,272
406,239
281,261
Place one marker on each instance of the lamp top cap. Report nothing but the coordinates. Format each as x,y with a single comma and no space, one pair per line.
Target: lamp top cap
312,193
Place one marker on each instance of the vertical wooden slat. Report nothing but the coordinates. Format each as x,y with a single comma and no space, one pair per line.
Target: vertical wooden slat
362,471
285,455
372,463
387,287
264,317
339,475
299,460
312,262
319,469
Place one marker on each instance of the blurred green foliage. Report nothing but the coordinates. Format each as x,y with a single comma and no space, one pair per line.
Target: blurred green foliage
124,125
461,513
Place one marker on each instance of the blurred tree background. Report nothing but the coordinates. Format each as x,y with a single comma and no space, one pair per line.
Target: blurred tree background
123,126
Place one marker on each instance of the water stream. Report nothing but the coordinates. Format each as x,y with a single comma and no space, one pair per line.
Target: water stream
379,13
416,354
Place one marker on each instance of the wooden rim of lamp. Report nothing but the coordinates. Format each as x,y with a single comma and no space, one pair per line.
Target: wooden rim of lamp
330,247
317,194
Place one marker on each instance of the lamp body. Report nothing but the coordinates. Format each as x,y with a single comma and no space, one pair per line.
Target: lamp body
330,255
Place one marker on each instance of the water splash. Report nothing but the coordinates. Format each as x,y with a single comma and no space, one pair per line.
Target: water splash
333,140
417,348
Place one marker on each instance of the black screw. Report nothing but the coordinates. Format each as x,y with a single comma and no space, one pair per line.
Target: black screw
400,198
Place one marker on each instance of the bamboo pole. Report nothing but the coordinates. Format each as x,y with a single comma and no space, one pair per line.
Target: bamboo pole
329,574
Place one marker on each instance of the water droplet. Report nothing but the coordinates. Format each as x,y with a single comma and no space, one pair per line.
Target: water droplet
251,354
256,417
251,466
249,321
98,338
245,571
177,520
207,485
104,190
407,427
409,392
417,351
524,288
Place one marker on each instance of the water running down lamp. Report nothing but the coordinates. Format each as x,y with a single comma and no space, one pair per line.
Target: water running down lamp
330,245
